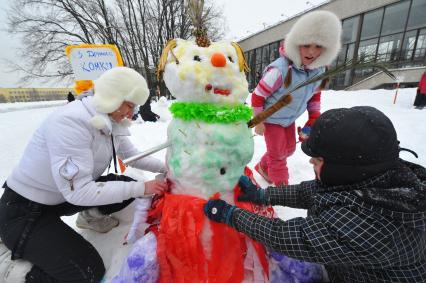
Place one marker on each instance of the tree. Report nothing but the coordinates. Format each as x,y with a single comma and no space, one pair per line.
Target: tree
139,28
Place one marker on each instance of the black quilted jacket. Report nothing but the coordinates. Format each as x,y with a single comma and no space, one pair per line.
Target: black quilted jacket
374,231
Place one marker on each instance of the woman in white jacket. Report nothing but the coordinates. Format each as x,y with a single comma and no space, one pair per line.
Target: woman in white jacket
60,174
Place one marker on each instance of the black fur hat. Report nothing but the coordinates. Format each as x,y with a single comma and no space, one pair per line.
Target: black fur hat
356,144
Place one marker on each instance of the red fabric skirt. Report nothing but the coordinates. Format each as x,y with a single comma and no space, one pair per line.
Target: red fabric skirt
180,251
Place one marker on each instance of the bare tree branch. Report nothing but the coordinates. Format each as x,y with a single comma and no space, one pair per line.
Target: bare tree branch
139,28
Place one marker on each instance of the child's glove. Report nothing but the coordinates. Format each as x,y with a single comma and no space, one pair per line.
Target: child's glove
304,133
219,211
250,192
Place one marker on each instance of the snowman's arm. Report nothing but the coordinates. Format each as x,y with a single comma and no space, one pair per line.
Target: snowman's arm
126,149
145,153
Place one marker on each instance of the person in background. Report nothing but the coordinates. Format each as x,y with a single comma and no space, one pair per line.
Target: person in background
366,218
146,112
420,101
312,43
152,95
157,93
60,174
70,97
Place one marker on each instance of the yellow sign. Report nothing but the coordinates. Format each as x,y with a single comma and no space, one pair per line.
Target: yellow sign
89,61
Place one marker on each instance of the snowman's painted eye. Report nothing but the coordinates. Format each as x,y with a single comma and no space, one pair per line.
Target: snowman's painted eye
197,58
230,59
222,171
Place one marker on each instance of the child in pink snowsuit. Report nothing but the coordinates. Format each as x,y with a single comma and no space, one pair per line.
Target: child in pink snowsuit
312,43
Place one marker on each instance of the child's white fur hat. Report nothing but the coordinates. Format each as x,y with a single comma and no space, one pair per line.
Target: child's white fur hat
117,85
318,27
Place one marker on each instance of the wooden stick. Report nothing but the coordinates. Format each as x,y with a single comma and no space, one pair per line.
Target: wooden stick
286,98
259,118
396,93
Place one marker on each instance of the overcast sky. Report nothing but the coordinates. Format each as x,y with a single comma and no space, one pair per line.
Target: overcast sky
243,17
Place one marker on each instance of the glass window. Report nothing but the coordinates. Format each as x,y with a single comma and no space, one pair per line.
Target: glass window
408,45
251,65
371,24
346,54
350,29
350,53
258,55
349,56
342,55
258,73
273,51
395,17
389,47
367,49
246,55
419,53
251,62
265,55
417,14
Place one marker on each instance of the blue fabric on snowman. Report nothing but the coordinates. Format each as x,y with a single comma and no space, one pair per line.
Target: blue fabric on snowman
284,269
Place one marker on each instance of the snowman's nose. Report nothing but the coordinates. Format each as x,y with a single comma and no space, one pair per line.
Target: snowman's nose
218,60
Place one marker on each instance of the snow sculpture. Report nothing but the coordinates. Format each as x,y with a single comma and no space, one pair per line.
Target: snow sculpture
210,147
211,143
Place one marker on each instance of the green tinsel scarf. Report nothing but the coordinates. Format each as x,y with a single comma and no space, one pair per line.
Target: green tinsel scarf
210,113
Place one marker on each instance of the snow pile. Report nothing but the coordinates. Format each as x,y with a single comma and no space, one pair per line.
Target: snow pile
18,106
17,128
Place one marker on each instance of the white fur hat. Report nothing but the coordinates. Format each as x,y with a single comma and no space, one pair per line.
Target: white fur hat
117,85
318,27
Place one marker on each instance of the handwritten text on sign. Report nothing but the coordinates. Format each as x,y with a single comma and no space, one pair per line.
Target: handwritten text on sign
90,63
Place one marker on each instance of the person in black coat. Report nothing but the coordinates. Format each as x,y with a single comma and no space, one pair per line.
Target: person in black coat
366,209
70,97
146,112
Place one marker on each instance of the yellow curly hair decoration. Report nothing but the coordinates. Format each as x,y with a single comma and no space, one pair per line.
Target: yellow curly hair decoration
241,58
163,58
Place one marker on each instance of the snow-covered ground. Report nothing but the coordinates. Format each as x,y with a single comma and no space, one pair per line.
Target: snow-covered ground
19,120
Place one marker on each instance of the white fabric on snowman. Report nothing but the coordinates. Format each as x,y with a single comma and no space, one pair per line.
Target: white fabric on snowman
141,264
137,230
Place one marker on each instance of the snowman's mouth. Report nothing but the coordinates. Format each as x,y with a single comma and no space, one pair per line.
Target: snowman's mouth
216,90
220,91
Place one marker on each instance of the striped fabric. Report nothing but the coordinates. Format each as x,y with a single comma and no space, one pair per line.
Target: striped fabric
314,107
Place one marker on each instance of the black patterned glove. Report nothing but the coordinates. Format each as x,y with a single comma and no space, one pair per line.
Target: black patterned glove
219,211
250,192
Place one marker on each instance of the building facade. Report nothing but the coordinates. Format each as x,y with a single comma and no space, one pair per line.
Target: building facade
393,32
33,94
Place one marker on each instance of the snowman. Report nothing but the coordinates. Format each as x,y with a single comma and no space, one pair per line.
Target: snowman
211,143
210,148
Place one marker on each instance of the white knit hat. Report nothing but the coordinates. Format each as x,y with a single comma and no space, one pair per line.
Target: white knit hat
117,85
318,27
